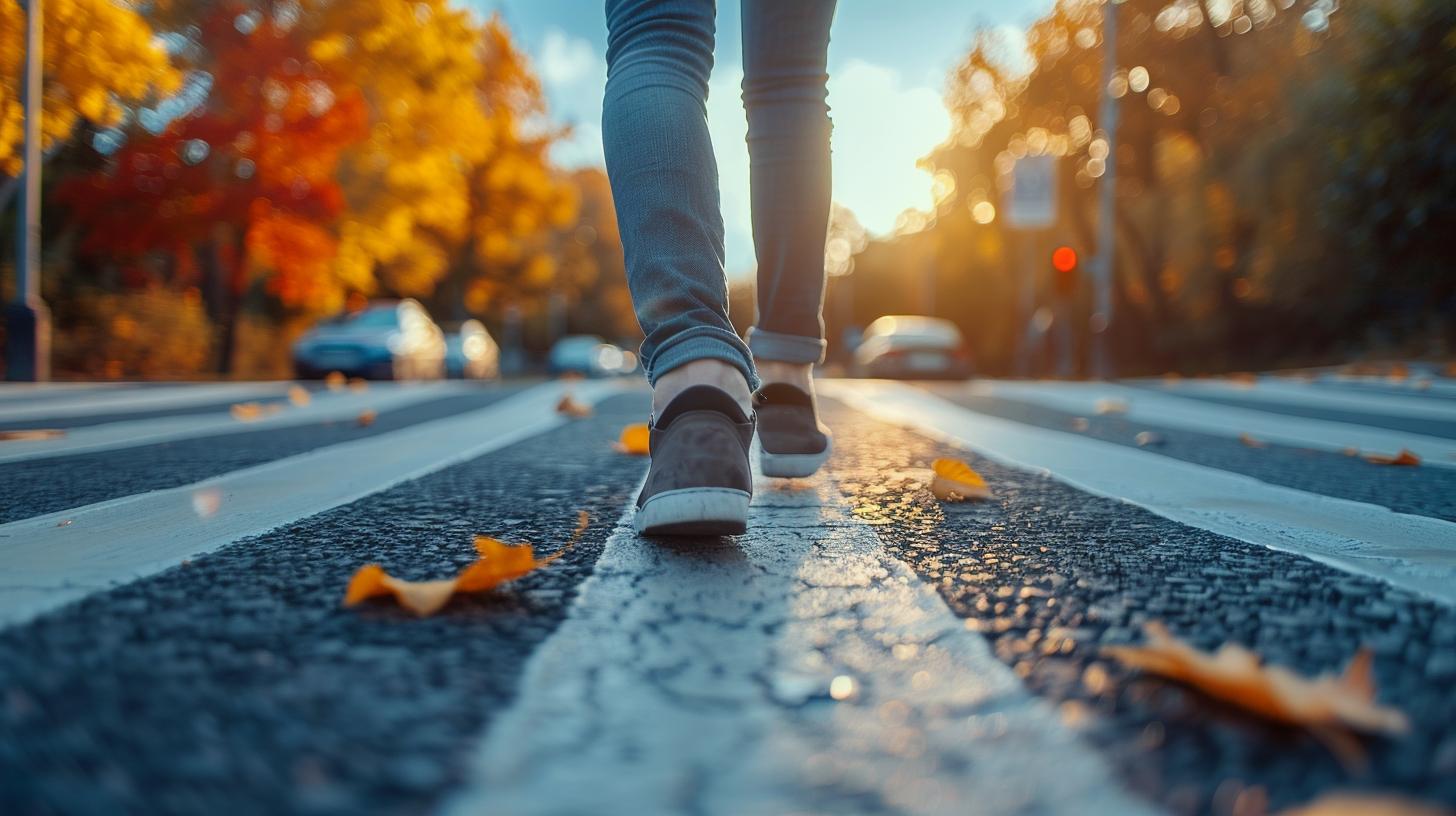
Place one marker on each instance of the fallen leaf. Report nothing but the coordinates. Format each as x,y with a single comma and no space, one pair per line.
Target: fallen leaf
1244,379
206,502
568,406
1405,459
334,381
497,563
247,411
298,395
1080,424
1110,406
31,434
1235,675
634,440
358,384
1252,442
1350,803
1147,439
955,480
367,417
1350,451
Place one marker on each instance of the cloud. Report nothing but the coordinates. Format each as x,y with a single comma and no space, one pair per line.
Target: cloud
567,60
573,74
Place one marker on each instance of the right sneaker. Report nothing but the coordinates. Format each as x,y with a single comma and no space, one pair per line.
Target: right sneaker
699,482
792,443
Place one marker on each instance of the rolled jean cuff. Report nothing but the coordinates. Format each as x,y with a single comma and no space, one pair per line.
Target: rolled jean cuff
704,344
785,348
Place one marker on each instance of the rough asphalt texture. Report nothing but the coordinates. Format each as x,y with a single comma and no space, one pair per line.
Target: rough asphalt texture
1050,574
238,684
1424,491
34,487
1429,427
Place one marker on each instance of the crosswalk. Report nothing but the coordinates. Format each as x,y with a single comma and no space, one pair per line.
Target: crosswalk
832,660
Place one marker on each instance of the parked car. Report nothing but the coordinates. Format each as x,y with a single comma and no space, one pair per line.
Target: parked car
587,355
912,347
470,352
388,339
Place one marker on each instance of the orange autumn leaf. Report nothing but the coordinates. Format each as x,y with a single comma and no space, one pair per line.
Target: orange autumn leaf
1252,441
1104,407
1236,675
1404,459
358,384
635,440
497,564
298,395
247,411
955,481
367,417
334,381
31,434
568,406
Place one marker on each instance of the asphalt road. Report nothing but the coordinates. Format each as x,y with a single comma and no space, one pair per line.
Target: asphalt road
172,639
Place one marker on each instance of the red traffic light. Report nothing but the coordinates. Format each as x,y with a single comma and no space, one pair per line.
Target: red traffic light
1064,259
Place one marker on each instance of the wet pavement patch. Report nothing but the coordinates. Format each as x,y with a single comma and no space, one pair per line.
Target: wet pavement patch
1049,574
34,487
236,683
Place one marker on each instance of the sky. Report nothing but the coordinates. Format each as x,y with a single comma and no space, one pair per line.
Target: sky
888,62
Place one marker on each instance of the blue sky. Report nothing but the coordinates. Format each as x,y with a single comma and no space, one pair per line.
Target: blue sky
887,64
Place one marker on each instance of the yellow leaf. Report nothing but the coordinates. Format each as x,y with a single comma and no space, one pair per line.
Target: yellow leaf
335,380
247,411
31,434
367,417
298,395
1235,675
955,480
358,384
1110,406
1405,458
568,406
634,440
1252,441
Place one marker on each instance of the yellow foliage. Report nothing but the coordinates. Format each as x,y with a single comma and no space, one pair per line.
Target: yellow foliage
99,57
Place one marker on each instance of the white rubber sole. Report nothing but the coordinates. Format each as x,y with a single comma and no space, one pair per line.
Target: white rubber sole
793,465
702,511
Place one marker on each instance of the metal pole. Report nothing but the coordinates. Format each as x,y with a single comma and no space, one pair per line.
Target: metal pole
27,321
1101,320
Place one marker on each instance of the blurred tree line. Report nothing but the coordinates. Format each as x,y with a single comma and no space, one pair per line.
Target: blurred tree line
221,173
1285,172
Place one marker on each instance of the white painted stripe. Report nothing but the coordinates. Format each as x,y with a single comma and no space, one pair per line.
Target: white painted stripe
107,543
1414,552
693,676
1417,383
1285,392
139,399
325,406
36,391
1168,411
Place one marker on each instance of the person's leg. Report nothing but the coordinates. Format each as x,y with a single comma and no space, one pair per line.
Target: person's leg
785,56
665,184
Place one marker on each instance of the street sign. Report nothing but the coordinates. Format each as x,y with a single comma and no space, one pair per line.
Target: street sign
1031,203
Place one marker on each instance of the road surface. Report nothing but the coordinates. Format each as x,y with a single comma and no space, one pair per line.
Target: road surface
172,640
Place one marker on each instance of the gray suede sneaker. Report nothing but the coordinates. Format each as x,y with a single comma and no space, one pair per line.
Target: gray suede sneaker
791,441
699,482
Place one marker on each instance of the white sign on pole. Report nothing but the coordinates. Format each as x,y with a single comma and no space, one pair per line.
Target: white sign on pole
1031,203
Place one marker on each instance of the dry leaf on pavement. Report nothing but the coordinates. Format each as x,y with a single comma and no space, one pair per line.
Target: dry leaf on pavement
1365,804
634,440
1253,442
31,434
367,417
298,395
497,563
334,381
247,411
955,480
1405,459
358,384
568,406
1146,439
1236,675
1110,406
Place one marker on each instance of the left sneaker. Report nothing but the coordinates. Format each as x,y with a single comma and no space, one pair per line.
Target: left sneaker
792,443
699,482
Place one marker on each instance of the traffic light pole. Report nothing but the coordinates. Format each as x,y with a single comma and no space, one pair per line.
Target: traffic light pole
1101,320
27,320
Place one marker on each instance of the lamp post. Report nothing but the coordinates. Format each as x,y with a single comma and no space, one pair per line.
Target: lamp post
1101,321
27,320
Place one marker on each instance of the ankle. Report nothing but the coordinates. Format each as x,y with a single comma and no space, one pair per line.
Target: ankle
799,375
715,373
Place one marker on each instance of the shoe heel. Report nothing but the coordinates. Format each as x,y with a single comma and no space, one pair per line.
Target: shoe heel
699,511
793,465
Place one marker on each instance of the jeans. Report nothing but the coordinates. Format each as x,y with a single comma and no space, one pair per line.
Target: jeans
665,180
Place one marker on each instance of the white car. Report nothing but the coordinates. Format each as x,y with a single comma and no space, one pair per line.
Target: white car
912,347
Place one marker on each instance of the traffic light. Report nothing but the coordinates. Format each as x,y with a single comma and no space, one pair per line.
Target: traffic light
1064,261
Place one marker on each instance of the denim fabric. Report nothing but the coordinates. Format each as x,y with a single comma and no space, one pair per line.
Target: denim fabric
665,179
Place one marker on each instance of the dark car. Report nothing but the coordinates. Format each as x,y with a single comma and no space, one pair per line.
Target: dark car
912,347
393,339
